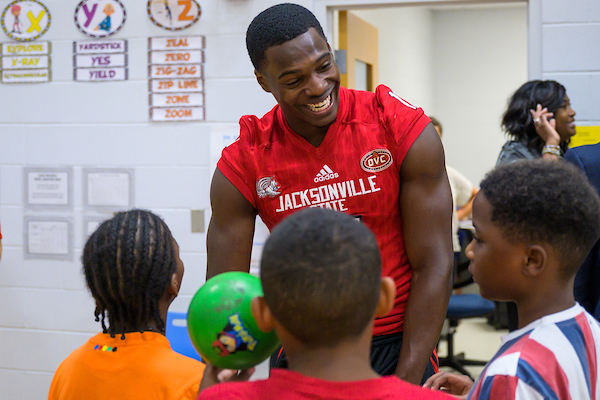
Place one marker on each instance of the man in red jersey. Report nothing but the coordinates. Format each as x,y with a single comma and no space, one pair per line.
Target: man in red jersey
371,155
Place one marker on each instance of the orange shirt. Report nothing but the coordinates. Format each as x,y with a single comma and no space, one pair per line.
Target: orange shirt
143,366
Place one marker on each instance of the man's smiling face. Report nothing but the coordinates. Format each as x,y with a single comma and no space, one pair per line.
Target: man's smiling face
304,79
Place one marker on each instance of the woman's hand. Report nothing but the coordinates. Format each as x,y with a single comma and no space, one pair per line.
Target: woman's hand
545,125
213,375
453,384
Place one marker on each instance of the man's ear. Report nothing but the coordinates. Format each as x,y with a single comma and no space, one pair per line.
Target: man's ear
174,285
262,81
387,294
536,260
262,314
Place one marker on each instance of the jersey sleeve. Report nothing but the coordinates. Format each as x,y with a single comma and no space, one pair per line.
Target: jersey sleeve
236,161
402,120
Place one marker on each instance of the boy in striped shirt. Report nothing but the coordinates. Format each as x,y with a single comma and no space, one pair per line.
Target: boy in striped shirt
535,222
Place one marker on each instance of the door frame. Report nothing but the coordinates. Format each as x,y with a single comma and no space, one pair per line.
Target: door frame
323,10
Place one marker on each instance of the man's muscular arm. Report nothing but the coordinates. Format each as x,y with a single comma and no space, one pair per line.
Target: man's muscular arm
231,228
426,208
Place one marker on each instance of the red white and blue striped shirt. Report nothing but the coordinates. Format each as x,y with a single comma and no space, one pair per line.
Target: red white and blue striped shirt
554,357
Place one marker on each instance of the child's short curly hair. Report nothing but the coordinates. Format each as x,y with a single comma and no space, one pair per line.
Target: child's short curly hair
321,275
547,201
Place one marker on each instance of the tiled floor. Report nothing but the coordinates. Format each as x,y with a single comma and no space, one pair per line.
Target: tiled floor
477,339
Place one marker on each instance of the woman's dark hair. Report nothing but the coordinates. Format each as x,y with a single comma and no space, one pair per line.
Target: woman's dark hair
517,121
128,263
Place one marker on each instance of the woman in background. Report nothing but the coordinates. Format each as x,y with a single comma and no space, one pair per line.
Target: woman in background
539,122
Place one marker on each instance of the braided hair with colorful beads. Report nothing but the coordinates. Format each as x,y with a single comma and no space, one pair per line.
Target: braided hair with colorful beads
130,264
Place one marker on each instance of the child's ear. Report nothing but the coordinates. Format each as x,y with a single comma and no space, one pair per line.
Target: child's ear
174,285
262,314
262,81
536,260
387,295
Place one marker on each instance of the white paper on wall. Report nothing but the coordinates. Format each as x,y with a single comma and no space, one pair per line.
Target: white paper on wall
91,227
177,114
176,71
178,43
47,188
91,223
177,99
175,57
108,189
26,75
176,85
101,74
176,78
25,49
48,237
26,63
261,234
100,47
100,61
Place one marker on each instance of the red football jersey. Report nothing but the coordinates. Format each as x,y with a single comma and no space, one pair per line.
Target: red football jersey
356,169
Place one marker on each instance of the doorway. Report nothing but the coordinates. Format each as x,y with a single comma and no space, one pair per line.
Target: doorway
460,63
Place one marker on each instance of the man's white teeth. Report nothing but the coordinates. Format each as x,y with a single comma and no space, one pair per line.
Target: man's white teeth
320,106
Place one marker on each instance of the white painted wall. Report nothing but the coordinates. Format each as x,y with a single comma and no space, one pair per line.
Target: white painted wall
447,61
405,51
45,311
571,33
480,59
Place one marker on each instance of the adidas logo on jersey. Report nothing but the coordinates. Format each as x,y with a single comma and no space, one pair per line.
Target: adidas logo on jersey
325,174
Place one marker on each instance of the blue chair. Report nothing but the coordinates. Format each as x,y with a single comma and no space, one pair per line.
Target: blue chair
177,333
460,306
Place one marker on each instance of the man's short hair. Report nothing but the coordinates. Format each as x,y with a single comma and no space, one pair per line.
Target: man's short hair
321,275
277,25
545,201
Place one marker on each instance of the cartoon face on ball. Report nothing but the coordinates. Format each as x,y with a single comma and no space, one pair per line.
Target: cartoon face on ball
225,344
234,337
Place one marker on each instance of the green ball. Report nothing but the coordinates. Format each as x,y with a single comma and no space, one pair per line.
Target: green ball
221,325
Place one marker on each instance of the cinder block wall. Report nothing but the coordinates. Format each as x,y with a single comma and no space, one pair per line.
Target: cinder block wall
571,37
45,310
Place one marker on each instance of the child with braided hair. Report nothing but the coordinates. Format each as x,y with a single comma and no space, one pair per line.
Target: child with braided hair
133,270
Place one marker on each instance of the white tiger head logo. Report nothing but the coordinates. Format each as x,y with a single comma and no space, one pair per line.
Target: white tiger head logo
267,186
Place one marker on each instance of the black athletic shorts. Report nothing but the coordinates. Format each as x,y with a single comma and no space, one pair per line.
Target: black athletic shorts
385,352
